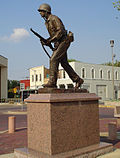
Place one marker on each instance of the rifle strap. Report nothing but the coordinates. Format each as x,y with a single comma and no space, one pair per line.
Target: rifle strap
45,50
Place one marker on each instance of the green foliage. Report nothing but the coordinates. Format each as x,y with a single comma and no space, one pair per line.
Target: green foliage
13,83
116,63
71,60
116,4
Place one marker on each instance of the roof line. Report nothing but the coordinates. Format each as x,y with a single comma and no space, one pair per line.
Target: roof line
3,57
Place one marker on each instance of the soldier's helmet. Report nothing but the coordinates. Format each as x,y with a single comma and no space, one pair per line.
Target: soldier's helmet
45,7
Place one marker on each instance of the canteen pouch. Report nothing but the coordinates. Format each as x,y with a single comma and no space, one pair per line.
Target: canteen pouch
70,36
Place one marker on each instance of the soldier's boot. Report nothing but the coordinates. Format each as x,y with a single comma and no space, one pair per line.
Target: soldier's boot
49,85
79,82
52,77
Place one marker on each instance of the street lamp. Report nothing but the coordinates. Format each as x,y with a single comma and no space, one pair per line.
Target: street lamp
112,43
113,56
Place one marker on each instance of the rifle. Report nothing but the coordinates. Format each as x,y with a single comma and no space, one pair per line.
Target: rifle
44,40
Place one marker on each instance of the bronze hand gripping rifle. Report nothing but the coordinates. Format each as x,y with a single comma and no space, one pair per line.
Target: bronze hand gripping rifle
43,40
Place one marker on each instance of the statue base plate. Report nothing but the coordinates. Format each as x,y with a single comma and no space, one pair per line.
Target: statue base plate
89,152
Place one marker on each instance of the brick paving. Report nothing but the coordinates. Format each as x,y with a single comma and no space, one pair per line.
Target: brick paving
8,142
103,123
21,121
105,112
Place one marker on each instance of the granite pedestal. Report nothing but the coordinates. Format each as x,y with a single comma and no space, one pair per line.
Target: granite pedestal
61,123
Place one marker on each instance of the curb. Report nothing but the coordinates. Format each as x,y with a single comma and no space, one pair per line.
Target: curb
105,134
2,132
15,112
106,106
15,104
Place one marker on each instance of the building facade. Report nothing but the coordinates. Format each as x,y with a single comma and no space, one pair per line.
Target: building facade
38,77
97,78
3,77
24,84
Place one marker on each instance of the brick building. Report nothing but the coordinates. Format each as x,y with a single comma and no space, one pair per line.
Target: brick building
24,84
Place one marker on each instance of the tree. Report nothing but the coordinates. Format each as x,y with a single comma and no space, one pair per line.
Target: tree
116,4
13,83
116,63
71,60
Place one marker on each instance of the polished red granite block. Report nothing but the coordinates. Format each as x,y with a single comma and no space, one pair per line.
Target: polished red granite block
62,122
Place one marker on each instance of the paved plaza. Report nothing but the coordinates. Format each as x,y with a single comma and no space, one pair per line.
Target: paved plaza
8,142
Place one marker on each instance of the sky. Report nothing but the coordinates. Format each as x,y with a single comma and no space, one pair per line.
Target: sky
93,22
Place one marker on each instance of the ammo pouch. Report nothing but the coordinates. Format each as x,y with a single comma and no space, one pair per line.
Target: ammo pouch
70,36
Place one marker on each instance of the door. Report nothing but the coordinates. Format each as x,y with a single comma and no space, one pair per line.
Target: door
101,91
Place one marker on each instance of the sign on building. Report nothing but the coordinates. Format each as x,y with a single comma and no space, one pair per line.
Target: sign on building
22,86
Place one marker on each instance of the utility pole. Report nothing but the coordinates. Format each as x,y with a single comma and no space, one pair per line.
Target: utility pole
113,56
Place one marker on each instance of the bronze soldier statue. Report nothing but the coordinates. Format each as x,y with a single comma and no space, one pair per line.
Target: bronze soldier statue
61,40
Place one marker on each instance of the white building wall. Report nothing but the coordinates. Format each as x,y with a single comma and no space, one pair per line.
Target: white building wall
101,86
36,71
4,76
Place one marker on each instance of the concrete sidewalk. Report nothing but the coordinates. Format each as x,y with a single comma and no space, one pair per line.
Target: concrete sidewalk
7,155
114,154
9,104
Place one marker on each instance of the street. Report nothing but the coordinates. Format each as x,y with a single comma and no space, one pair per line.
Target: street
106,115
19,111
8,107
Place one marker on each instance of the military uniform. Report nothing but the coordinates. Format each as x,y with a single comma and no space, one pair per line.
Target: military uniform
58,35
61,40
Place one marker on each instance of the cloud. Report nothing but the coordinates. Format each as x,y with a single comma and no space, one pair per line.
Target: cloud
17,35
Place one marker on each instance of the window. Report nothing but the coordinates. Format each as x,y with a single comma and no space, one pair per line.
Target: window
32,78
47,76
101,74
116,75
83,72
93,73
36,77
62,86
70,86
109,75
63,73
40,77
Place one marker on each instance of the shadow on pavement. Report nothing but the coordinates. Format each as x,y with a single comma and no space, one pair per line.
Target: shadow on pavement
17,130
105,139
